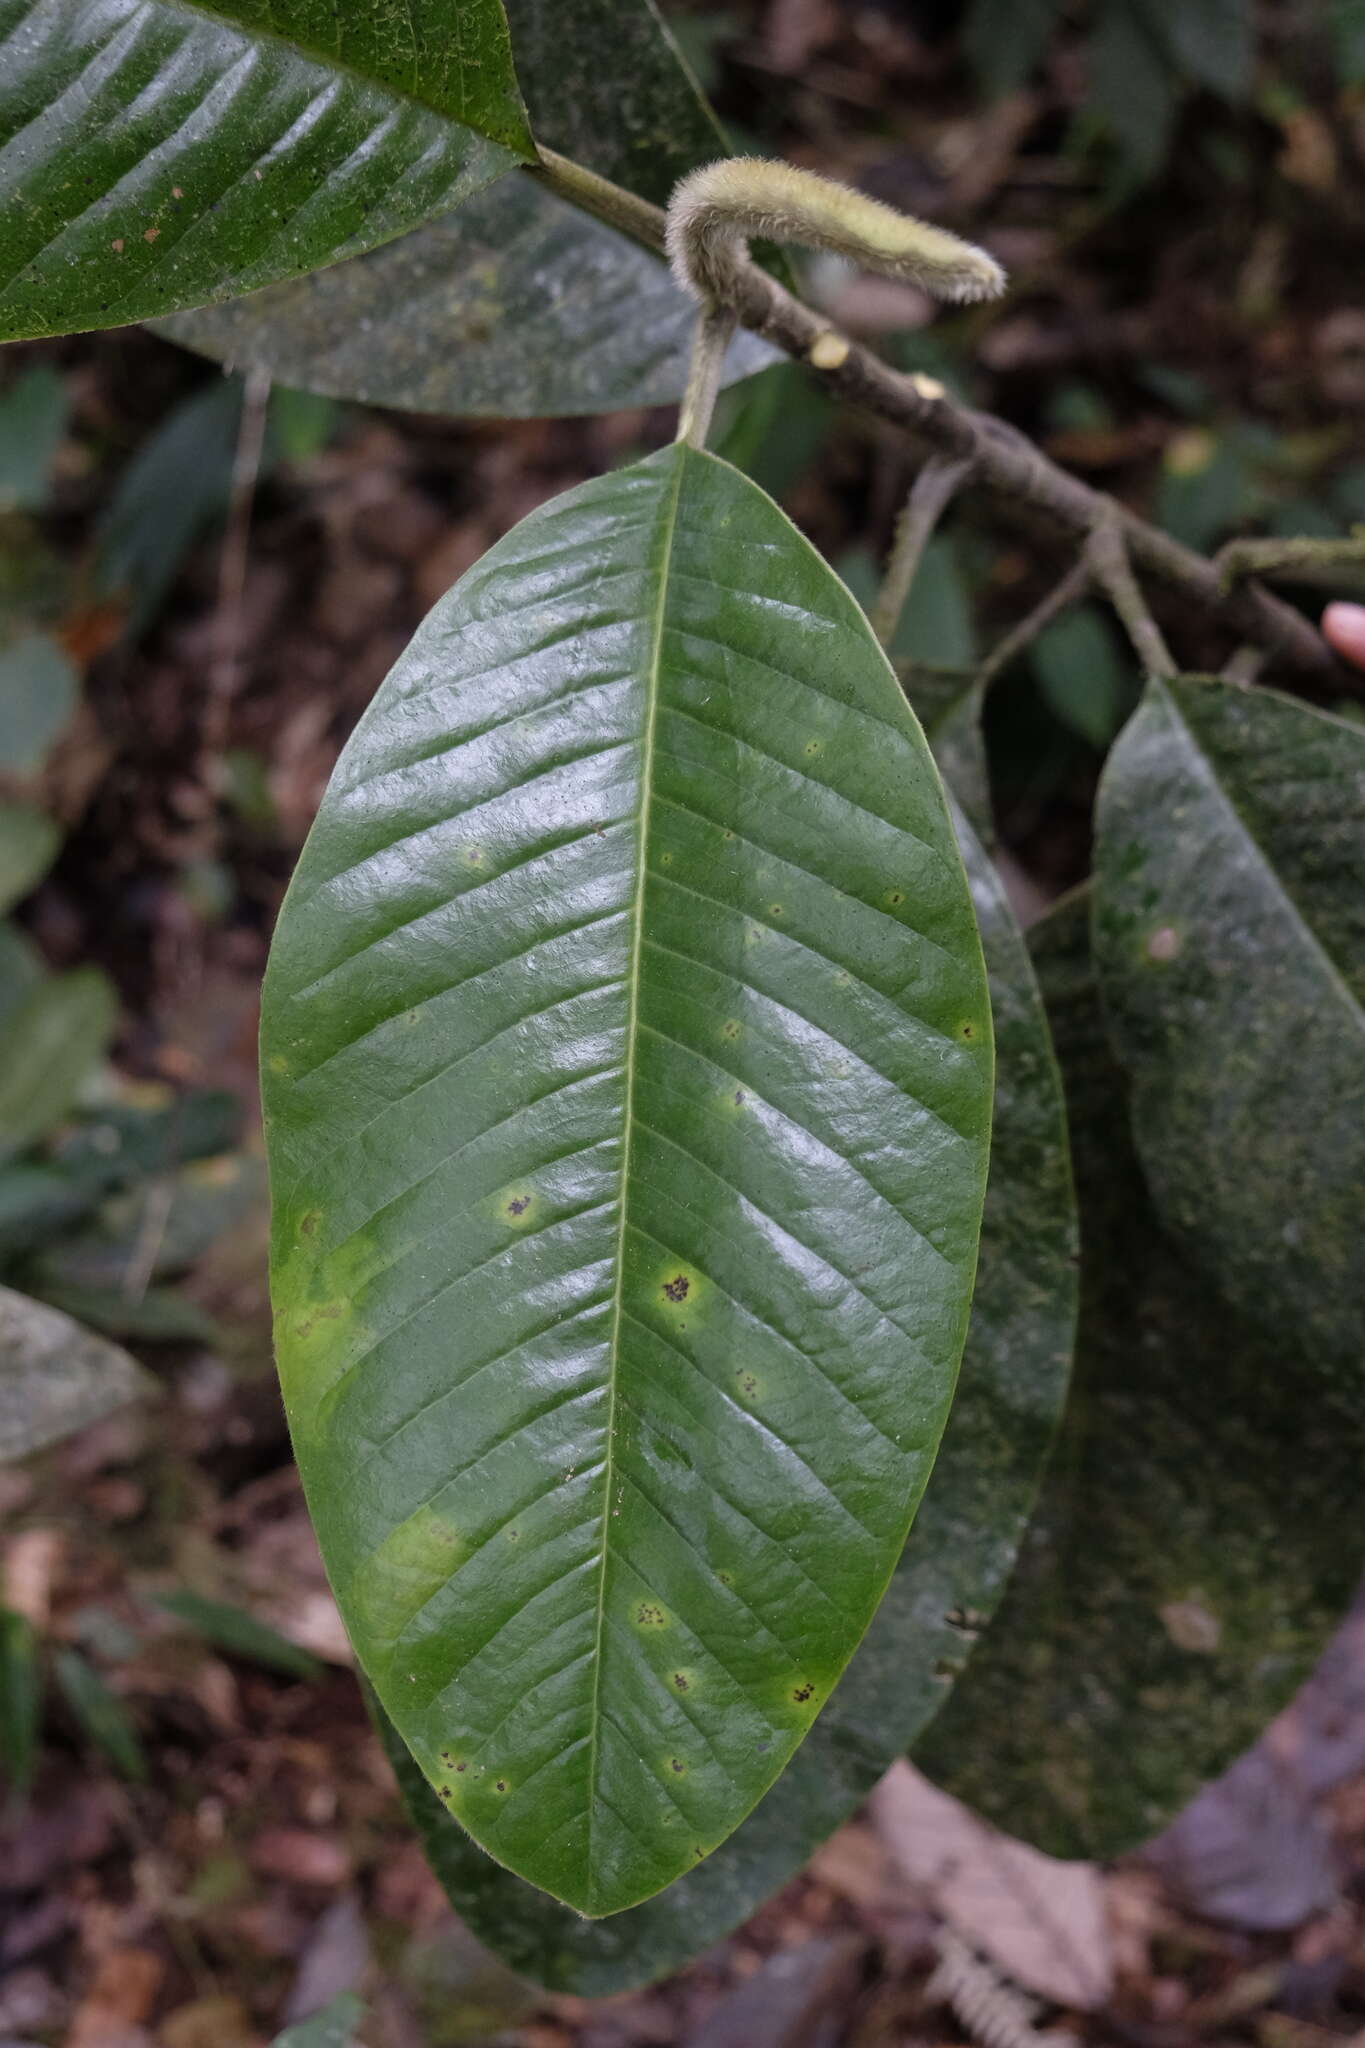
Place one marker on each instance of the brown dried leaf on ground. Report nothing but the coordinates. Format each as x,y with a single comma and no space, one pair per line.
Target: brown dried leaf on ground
1041,1920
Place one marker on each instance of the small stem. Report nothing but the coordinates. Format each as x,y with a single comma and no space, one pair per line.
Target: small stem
599,197
1026,486
929,497
714,331
1106,551
1244,665
1309,559
225,667
1060,598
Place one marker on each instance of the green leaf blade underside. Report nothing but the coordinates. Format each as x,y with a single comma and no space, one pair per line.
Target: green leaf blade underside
155,155
948,1579
515,306
627,1069
1154,1626
1230,943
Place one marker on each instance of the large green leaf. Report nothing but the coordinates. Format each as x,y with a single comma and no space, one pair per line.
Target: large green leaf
947,1582
55,1377
155,154
1230,942
517,305
627,1074
1199,1533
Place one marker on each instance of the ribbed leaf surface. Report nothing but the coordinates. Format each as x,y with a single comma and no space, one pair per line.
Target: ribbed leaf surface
948,1579
1230,943
628,1076
156,155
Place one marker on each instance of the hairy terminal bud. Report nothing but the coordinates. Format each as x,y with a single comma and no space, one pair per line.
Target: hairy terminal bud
714,211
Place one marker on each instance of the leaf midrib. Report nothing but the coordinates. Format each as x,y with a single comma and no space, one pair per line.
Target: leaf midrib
1209,775
668,527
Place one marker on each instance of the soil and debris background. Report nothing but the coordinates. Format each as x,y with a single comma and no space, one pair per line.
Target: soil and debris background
228,1853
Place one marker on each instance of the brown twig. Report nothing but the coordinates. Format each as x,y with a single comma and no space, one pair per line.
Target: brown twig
929,498
1106,550
1025,484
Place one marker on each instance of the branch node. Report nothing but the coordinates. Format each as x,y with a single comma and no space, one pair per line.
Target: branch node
1106,550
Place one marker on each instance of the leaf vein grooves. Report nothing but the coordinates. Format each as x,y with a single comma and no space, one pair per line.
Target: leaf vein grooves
532,1336
462,895
476,734
752,1315
691,1545
519,1613
803,777
805,946
823,1144
748,1202
635,1657
822,881
762,1429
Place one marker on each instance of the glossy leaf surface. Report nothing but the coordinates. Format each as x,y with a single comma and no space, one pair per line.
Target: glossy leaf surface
1200,1529
155,155
947,1581
1230,942
55,1377
517,306
628,1066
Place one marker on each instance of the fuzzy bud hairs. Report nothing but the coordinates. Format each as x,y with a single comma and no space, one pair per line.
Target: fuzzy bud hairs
714,211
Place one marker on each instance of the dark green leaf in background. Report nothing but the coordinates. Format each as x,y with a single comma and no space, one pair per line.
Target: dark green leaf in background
29,840
55,1377
518,305
100,1713
1005,39
38,691
49,1042
631,965
239,1633
1082,676
606,84
1133,90
1210,42
1230,941
21,967
948,1579
154,156
1200,1530
948,704
33,414
21,1691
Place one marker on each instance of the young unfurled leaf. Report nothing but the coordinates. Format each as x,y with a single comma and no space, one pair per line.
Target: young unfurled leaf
1230,944
155,155
947,1581
627,1071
